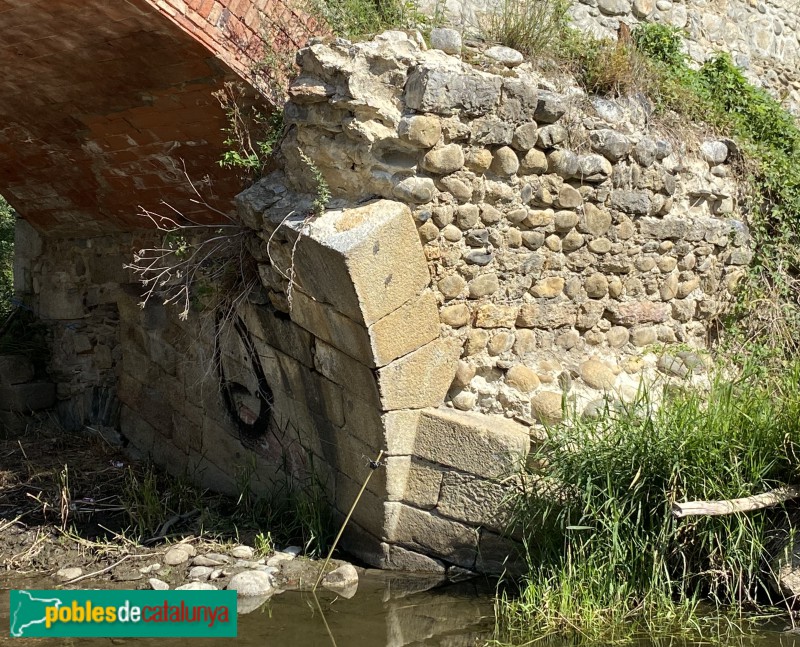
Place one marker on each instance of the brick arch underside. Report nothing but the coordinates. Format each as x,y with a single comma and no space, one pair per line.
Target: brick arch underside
102,107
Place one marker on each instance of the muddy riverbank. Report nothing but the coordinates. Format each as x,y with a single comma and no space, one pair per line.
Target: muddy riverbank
80,510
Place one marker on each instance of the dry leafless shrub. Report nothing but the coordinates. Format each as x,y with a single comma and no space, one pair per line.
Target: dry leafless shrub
196,262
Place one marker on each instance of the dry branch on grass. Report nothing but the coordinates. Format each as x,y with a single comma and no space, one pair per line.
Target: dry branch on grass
731,506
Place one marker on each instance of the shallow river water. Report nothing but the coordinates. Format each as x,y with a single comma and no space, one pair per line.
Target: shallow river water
387,611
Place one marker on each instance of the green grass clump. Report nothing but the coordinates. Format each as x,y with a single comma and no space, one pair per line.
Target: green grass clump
529,26
607,559
293,512
362,19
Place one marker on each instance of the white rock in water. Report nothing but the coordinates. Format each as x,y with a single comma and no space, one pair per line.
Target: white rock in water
248,605
242,552
342,577
343,580
252,583
68,573
505,55
158,585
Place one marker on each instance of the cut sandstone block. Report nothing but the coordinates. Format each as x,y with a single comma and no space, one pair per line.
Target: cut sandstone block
475,501
345,371
412,325
488,446
420,379
423,484
329,324
429,533
364,262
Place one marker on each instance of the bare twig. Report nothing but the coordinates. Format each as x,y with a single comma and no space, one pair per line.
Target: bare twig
377,463
8,524
106,569
161,533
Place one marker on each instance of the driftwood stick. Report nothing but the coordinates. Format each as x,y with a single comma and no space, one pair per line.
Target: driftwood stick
746,504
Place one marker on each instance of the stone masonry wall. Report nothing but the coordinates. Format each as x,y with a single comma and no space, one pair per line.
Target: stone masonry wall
566,238
493,242
370,376
491,245
763,36
142,370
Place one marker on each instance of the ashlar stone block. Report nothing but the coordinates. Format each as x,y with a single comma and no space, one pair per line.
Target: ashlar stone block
475,501
420,379
365,262
411,326
430,533
346,372
484,445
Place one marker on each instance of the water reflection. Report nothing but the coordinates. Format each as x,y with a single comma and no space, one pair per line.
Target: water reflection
387,611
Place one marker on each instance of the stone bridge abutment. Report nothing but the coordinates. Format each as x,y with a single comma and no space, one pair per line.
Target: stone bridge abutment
498,251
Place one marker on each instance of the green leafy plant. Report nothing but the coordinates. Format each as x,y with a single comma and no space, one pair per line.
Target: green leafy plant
323,190
263,544
660,42
360,19
252,133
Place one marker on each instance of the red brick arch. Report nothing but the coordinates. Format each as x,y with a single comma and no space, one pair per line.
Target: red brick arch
104,102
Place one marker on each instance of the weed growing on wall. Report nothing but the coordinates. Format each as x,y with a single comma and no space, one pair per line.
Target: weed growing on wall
252,134
606,556
195,265
361,19
6,257
323,192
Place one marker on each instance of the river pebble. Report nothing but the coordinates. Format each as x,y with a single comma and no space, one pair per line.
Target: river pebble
179,554
200,572
242,552
68,573
196,586
250,583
